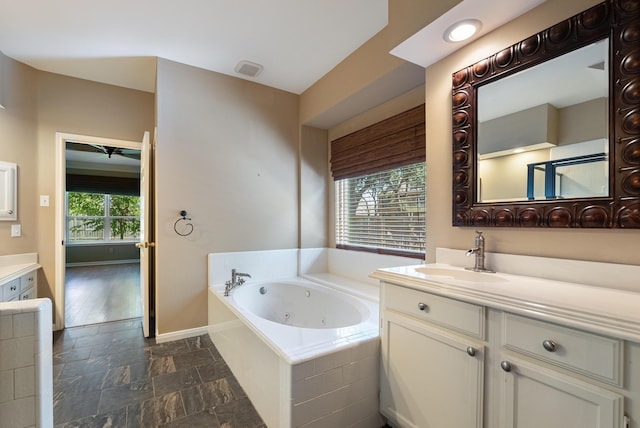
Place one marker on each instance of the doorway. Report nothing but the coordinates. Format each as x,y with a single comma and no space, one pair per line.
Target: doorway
99,273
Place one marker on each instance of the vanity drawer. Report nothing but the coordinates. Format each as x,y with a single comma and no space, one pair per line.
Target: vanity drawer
590,354
464,317
11,289
29,280
28,294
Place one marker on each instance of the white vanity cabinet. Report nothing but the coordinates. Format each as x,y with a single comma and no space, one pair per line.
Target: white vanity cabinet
22,287
432,360
457,362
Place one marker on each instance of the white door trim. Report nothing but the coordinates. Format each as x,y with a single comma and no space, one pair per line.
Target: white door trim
61,165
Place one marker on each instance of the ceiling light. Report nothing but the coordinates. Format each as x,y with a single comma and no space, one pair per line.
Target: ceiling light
462,30
248,68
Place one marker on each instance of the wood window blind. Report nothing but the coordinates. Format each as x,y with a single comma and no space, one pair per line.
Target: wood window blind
391,143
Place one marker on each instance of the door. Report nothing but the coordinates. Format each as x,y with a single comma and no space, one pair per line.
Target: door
146,244
146,266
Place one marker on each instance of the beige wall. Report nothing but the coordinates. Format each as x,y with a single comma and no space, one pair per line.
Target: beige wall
18,144
227,152
314,192
370,73
39,104
618,246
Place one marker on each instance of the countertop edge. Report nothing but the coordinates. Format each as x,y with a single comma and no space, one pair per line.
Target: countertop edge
588,320
11,272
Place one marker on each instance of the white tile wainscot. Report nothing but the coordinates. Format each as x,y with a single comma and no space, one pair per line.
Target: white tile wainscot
557,352
26,367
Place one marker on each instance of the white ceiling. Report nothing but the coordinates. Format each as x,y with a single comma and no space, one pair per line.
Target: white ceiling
492,14
297,41
116,41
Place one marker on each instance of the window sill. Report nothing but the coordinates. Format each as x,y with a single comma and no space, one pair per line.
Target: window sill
98,243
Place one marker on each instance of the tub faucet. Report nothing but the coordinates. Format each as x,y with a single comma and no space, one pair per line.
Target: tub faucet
478,250
235,281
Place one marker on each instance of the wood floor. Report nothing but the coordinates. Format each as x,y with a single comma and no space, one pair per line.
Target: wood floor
98,294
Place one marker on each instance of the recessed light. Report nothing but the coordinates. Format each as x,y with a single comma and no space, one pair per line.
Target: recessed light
462,30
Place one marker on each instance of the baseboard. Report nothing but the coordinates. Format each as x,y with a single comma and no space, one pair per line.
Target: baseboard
181,334
103,262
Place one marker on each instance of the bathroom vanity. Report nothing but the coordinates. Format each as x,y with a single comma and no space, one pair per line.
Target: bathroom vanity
468,349
19,277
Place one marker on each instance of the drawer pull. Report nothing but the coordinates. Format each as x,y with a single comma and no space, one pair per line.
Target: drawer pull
471,351
423,306
506,366
13,288
550,345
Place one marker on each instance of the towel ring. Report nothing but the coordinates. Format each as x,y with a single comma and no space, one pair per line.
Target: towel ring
187,226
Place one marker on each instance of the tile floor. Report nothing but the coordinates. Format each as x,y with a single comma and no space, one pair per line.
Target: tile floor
108,375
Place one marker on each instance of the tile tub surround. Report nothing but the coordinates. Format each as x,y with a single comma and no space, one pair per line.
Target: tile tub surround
26,370
109,375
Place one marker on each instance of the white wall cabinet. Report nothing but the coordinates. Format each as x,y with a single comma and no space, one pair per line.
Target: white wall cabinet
8,191
452,363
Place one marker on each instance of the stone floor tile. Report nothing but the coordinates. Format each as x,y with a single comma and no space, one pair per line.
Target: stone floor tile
108,375
169,348
205,419
176,381
216,392
157,411
123,395
192,359
71,407
238,413
114,419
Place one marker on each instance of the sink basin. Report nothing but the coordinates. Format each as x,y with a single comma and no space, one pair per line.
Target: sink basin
460,275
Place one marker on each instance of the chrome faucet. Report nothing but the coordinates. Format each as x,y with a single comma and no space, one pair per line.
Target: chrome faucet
478,250
235,281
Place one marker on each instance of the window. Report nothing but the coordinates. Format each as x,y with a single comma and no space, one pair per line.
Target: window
379,175
96,217
384,211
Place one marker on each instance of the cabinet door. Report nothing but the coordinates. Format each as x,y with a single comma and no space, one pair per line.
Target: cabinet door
8,191
534,397
430,378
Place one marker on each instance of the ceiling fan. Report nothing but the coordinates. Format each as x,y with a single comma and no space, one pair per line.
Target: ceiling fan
109,151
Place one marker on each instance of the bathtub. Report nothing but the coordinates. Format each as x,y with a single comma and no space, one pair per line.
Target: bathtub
307,355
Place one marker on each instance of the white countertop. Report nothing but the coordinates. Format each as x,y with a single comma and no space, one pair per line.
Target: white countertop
14,266
602,310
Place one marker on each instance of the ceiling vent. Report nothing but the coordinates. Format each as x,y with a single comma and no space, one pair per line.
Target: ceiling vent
248,68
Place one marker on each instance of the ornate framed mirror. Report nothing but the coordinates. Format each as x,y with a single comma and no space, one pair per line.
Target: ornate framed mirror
524,156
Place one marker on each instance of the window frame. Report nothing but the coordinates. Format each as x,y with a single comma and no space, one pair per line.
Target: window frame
107,218
345,223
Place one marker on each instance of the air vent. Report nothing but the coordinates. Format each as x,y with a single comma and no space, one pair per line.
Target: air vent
248,68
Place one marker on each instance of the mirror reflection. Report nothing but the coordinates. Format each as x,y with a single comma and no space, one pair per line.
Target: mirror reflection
543,132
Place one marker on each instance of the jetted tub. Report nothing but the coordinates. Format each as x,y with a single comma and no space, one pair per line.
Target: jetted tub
306,355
